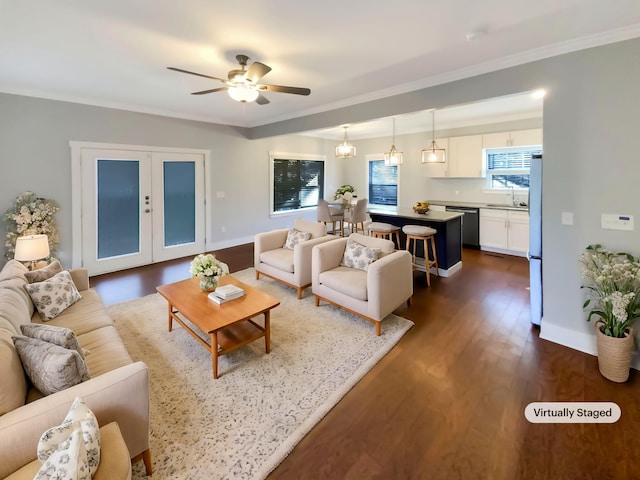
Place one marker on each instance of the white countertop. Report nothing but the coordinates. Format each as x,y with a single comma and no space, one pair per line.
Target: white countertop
431,215
449,203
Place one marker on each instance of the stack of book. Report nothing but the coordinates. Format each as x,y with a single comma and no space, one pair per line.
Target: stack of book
225,293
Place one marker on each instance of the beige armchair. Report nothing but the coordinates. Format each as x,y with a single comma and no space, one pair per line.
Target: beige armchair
289,266
372,293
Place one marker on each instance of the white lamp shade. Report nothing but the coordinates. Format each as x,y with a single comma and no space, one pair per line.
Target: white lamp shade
434,154
243,93
31,247
345,150
393,157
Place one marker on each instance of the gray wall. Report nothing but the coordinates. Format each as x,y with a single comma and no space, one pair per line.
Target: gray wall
35,155
591,163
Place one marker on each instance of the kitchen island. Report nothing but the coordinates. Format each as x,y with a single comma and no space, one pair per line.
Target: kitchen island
448,226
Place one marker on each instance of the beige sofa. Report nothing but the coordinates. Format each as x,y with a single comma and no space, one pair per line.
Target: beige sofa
289,266
118,390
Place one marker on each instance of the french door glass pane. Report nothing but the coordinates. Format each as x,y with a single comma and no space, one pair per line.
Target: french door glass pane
118,200
179,203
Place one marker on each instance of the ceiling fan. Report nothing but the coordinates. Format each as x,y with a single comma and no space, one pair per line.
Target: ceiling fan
242,85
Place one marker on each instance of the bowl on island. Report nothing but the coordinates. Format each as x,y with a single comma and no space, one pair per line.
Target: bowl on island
421,207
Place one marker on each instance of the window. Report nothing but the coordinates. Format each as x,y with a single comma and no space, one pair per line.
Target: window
383,183
297,182
509,167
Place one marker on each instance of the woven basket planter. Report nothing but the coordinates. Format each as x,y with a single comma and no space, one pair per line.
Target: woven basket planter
614,355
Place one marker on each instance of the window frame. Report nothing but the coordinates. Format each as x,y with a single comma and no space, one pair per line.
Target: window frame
273,156
375,158
533,149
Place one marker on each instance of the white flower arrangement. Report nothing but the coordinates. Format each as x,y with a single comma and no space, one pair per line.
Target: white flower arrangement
613,280
345,193
31,215
206,265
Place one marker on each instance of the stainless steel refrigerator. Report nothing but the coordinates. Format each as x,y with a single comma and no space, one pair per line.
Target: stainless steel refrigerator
535,238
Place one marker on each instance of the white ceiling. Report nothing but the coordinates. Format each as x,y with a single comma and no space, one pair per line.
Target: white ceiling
114,53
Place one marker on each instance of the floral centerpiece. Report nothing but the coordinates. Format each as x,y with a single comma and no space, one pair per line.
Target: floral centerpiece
613,281
208,268
345,193
31,215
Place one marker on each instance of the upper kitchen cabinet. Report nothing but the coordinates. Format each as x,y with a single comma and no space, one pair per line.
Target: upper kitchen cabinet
464,158
519,138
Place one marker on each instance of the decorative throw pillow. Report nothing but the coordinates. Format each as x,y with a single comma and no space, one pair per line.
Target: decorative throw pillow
42,274
60,336
55,295
359,256
50,367
72,449
294,237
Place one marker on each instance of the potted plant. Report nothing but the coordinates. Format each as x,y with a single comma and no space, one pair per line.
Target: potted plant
614,298
207,268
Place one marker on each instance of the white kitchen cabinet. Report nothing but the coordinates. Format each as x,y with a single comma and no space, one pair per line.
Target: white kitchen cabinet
493,228
518,138
464,159
505,231
518,231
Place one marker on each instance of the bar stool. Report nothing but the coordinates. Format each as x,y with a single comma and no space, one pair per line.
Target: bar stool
384,230
427,236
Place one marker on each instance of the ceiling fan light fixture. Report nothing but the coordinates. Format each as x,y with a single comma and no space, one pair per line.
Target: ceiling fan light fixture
345,149
243,93
434,154
393,157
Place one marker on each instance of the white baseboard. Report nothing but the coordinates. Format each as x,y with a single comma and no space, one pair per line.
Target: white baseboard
581,341
232,242
449,271
504,251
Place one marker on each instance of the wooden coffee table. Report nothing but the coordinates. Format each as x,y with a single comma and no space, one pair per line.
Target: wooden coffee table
229,325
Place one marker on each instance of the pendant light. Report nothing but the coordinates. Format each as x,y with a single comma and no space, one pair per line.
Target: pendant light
345,149
434,154
393,157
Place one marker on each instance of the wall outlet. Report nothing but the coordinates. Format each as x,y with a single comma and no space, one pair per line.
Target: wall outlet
223,229
220,194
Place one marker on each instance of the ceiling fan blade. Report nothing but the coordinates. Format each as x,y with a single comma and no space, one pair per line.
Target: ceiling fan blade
262,100
213,90
256,71
194,73
283,89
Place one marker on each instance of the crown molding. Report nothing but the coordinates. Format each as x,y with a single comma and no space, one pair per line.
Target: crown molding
583,43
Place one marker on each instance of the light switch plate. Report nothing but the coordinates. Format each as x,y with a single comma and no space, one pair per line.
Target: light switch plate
612,221
220,194
567,218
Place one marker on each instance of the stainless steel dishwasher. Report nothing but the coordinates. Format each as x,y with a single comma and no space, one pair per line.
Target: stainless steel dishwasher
470,225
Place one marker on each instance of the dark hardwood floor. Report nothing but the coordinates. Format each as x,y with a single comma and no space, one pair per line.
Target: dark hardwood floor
448,401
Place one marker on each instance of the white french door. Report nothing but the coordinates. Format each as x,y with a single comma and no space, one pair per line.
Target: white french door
140,207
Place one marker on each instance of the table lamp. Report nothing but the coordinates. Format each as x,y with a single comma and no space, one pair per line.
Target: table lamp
31,248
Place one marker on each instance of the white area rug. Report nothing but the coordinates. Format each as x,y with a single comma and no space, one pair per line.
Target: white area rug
246,422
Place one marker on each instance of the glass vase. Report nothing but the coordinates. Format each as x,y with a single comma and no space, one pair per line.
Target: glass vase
208,284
